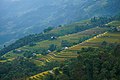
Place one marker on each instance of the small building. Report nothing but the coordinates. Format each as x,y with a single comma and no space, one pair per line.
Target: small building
17,51
53,37
66,47
34,54
49,51
118,28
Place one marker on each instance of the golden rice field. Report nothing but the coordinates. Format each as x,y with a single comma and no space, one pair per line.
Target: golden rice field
39,76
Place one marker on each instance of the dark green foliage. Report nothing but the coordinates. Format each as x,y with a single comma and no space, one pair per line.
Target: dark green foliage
85,38
65,70
21,68
32,44
28,54
2,58
104,43
44,52
99,21
25,41
86,49
49,77
56,71
59,49
17,69
65,43
49,66
60,26
48,29
62,76
117,51
113,29
52,47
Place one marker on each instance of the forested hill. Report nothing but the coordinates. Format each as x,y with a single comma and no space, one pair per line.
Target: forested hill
22,17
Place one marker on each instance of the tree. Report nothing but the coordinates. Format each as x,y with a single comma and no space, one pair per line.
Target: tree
104,43
65,43
28,54
56,71
62,77
32,44
48,77
52,47
48,29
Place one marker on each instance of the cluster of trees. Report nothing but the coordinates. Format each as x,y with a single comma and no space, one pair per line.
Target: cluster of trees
101,21
48,29
21,68
28,40
65,43
17,69
52,47
92,64
28,54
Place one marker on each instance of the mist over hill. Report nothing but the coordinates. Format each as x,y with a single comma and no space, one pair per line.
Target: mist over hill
22,17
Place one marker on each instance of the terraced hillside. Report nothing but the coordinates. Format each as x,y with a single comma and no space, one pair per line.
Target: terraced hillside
73,39
109,37
57,32
114,24
39,76
96,41
71,52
